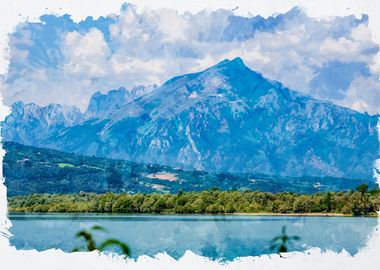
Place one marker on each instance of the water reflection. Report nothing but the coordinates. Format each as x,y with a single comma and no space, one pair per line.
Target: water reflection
212,236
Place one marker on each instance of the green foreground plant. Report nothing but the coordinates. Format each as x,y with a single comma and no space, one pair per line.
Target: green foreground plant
281,243
91,245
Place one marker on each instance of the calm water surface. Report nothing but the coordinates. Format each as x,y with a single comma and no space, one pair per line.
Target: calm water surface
225,237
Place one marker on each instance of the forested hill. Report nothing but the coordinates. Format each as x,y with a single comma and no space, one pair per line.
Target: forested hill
29,170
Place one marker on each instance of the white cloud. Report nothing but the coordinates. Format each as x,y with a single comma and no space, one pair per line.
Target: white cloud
363,95
150,47
170,23
86,54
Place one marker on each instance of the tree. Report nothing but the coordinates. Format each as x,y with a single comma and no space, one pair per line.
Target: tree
363,188
114,179
326,202
302,204
361,205
160,205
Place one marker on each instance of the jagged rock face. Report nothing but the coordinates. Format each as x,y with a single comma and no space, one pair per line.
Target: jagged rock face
27,122
226,118
101,105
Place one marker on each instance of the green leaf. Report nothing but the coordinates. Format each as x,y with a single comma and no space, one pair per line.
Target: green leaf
113,242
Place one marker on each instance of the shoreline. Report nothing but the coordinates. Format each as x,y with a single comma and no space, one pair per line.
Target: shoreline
321,214
316,214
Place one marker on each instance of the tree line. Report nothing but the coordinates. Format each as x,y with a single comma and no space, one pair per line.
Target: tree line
356,202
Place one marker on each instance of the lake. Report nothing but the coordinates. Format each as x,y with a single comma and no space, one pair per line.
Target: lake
227,237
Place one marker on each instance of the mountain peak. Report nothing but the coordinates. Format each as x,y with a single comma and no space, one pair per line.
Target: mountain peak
236,62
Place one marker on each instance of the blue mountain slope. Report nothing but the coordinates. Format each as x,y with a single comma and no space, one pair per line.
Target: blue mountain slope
226,118
27,122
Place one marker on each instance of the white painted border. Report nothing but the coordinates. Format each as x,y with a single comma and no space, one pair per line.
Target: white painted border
15,11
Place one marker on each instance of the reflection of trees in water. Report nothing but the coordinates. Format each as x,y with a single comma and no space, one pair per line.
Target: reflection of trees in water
232,235
211,250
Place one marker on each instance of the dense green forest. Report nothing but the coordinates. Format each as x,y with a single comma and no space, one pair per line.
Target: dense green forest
29,170
358,202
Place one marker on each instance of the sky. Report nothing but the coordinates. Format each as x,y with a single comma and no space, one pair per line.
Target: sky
59,59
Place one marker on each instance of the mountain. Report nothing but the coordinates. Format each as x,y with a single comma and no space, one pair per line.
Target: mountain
226,118
30,121
31,170
100,104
